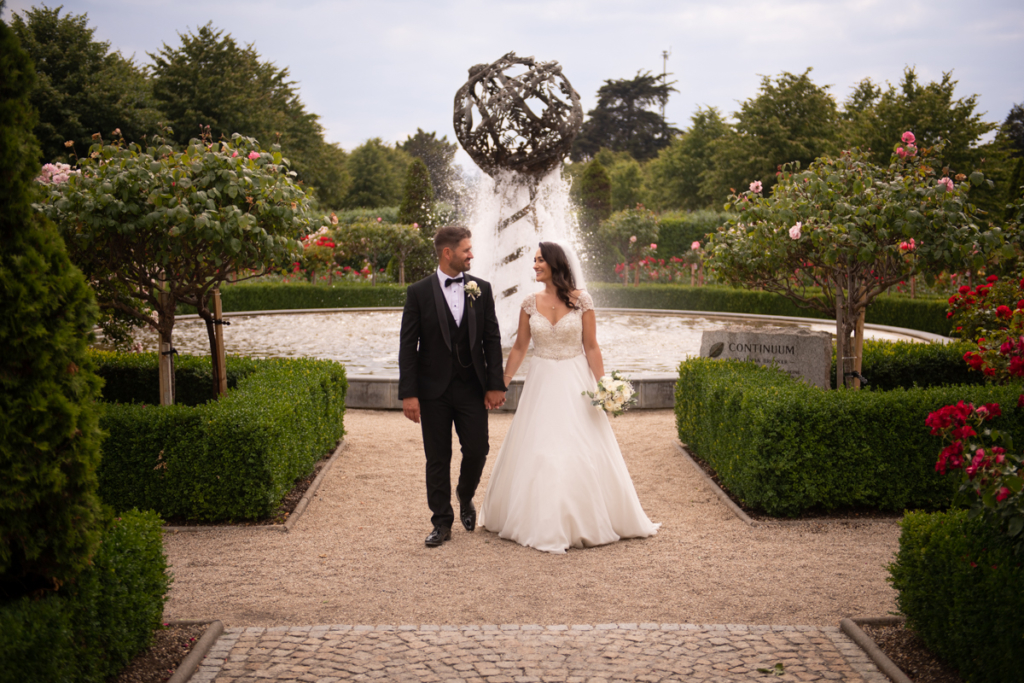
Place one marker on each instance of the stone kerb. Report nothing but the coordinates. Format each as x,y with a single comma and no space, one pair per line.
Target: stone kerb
804,354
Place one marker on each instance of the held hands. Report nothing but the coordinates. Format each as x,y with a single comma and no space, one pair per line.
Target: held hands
492,400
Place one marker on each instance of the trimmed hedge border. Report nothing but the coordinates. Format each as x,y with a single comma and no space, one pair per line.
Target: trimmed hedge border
894,364
787,448
960,587
231,459
91,629
927,315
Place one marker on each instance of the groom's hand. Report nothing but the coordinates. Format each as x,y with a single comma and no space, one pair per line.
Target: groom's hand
411,409
494,399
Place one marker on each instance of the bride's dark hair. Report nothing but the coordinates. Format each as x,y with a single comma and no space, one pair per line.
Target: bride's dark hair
561,272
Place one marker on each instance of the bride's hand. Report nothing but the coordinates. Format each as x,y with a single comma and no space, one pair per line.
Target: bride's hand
494,399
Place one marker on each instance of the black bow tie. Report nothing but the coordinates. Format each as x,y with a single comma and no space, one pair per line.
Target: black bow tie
450,280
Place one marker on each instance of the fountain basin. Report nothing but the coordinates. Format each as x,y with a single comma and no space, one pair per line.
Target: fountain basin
645,345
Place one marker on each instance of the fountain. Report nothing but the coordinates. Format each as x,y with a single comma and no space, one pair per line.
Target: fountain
516,118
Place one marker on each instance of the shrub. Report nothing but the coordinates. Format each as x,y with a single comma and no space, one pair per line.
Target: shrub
892,364
230,459
49,432
959,586
128,377
91,628
678,230
274,296
926,315
784,447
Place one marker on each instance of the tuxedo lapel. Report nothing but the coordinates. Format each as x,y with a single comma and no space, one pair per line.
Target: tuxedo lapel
442,307
471,314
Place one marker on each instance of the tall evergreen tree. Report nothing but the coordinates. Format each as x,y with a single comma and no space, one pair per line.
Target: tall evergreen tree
595,196
82,86
624,119
681,174
1013,128
418,198
377,172
211,80
438,155
49,432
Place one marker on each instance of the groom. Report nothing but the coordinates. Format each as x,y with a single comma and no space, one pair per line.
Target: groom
449,361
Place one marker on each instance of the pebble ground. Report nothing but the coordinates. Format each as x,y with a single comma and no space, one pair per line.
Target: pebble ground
604,653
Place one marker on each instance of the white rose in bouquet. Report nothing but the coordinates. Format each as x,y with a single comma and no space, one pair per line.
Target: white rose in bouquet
614,394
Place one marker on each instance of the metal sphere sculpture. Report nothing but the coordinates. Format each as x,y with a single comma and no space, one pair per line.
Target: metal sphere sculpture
523,122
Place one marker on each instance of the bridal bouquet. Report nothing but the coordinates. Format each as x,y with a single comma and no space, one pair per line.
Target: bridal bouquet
614,394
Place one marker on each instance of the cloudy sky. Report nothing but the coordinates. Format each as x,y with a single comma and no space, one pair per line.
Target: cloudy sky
382,68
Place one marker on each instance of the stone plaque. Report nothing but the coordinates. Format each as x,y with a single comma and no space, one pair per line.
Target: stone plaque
804,354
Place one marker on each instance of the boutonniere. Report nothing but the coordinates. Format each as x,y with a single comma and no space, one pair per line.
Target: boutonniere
472,291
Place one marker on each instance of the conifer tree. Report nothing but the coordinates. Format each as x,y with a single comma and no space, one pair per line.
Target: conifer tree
595,196
49,431
418,198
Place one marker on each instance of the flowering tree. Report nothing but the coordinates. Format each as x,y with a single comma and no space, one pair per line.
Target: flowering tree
851,230
156,227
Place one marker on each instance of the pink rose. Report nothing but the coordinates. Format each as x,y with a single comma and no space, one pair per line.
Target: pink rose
654,246
695,246
632,240
234,154
254,155
900,152
794,232
379,219
947,182
908,138
416,225
755,186
1003,494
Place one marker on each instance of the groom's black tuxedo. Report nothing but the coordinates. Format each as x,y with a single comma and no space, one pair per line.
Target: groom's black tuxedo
449,367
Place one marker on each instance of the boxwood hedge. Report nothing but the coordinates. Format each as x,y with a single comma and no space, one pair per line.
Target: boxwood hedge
91,628
230,459
784,447
959,586
927,315
279,296
892,364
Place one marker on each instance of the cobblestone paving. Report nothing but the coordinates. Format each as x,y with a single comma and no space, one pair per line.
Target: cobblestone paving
532,654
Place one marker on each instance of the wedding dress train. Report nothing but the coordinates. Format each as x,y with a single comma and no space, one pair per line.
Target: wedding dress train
559,480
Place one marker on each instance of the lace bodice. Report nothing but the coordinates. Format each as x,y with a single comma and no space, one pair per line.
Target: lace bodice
564,339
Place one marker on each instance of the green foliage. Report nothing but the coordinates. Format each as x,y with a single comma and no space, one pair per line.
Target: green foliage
377,172
790,119
439,156
677,231
275,296
623,121
130,216
89,630
210,80
627,231
387,214
594,195
230,459
893,364
418,198
83,87
49,432
128,377
682,175
959,586
927,315
784,447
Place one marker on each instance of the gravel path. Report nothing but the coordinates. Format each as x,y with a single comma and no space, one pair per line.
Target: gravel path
357,555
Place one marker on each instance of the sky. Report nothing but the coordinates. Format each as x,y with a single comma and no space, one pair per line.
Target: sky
383,68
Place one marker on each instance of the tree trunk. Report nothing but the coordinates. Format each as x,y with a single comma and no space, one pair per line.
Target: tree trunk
221,368
636,275
693,274
401,272
858,346
166,357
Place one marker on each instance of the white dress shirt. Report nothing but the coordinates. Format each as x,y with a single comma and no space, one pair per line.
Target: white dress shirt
454,294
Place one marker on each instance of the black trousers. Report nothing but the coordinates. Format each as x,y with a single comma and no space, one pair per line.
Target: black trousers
462,405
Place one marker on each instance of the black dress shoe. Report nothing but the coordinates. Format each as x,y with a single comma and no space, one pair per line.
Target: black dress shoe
467,513
439,535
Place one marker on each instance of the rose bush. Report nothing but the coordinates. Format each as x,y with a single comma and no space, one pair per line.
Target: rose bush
992,473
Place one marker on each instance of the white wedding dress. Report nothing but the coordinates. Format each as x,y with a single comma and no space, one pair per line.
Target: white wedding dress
559,479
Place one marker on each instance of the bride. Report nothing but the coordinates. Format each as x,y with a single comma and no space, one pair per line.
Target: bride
559,479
